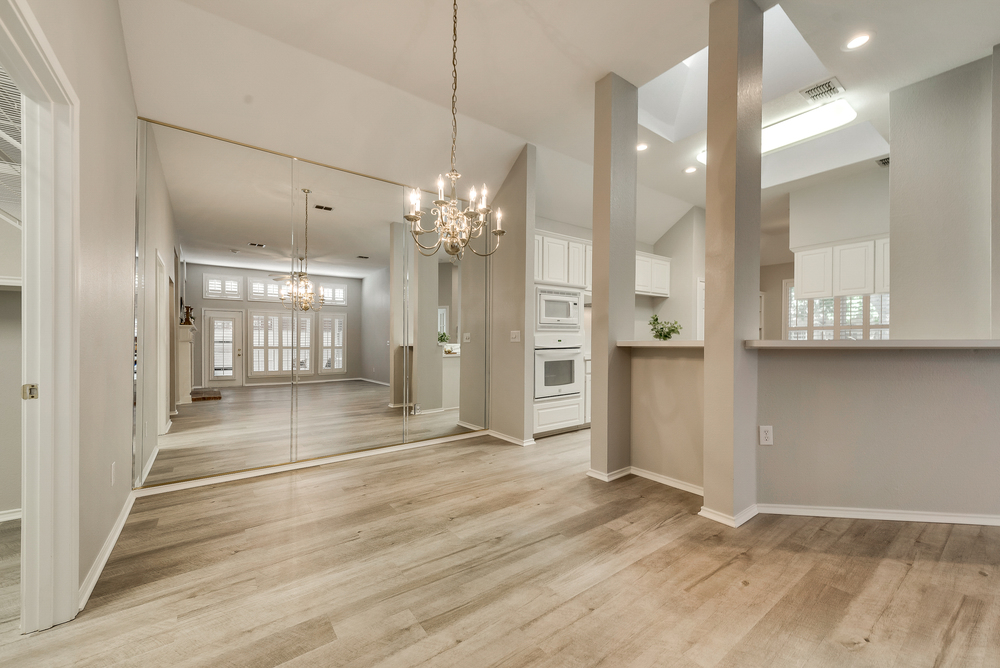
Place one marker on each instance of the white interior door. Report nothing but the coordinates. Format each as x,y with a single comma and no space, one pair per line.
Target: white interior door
223,348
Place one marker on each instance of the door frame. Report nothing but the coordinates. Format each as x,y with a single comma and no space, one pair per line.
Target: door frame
206,353
50,493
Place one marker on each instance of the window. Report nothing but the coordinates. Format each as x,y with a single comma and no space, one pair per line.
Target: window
272,342
334,295
217,286
859,317
442,319
334,343
263,290
222,348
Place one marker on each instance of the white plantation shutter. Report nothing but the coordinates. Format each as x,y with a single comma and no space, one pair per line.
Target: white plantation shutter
258,342
305,342
333,294
263,290
853,317
272,342
217,286
333,343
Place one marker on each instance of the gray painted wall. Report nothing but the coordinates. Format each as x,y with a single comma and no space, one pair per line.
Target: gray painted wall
940,220
684,243
97,68
847,209
668,412
771,277
576,231
10,399
888,430
423,292
512,282
10,250
375,326
472,378
195,274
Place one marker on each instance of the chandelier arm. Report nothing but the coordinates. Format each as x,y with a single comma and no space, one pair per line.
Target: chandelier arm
420,245
471,248
433,249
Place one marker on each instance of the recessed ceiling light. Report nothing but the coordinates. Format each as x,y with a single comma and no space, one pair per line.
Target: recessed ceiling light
858,42
641,147
811,123
690,170
702,157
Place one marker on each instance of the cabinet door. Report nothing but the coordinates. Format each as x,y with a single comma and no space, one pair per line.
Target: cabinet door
577,262
814,273
643,274
854,269
586,398
555,268
660,277
588,268
538,257
881,266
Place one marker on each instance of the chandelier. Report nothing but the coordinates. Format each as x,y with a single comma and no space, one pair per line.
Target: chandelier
454,226
297,293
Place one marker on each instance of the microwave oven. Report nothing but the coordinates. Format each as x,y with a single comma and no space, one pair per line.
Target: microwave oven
560,310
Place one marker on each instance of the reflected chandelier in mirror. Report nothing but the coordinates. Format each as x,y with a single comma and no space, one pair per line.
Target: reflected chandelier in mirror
297,293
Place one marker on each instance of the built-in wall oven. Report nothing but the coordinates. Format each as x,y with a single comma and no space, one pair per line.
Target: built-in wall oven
559,310
558,372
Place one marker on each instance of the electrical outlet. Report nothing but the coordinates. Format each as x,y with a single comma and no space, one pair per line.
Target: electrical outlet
767,435
466,337
112,474
515,336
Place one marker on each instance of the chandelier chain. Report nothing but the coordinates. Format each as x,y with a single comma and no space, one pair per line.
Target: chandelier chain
454,83
306,267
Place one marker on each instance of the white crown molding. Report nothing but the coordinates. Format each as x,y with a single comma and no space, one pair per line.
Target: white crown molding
879,514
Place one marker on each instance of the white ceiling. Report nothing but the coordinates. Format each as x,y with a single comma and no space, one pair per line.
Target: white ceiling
226,196
366,85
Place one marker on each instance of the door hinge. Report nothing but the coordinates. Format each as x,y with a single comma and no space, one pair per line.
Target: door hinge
29,391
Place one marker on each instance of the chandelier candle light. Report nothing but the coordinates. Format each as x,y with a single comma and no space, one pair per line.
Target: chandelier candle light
454,226
297,293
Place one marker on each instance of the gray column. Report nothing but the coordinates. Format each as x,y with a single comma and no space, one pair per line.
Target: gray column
995,194
616,118
732,259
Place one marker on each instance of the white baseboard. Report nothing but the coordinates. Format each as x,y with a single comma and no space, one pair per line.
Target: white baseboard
608,477
89,582
740,519
469,425
10,515
666,480
149,464
429,411
376,382
295,466
876,514
510,439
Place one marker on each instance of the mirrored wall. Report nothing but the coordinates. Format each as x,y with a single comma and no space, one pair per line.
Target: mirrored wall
284,313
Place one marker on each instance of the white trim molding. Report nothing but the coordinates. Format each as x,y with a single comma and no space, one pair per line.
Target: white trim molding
878,514
739,519
609,477
10,515
89,582
10,281
510,439
469,425
666,480
149,464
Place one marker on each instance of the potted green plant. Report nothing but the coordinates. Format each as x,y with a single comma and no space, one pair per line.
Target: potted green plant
443,337
662,329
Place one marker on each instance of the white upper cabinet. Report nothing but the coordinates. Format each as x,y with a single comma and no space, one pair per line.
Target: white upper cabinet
854,269
588,267
814,273
881,266
661,277
577,263
643,274
538,257
555,268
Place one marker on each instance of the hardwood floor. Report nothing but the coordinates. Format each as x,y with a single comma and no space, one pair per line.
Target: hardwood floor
478,553
251,427
10,576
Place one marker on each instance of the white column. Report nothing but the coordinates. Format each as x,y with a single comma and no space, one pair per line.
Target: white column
732,259
616,118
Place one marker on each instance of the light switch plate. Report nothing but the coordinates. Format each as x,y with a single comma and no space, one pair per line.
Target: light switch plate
466,337
766,435
515,336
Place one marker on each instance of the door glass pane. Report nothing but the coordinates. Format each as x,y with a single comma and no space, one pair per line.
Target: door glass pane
222,354
559,372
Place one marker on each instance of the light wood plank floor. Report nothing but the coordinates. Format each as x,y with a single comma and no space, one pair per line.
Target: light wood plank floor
250,427
478,553
10,576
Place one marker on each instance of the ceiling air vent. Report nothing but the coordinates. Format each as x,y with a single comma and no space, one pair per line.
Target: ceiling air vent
255,245
883,162
824,91
324,208
362,257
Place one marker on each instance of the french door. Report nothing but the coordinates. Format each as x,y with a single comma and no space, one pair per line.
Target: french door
223,351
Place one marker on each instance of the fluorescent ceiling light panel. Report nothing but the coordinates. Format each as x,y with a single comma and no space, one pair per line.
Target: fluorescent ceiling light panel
813,122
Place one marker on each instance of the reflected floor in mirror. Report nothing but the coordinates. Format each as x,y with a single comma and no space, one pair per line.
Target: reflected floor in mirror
10,575
249,427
